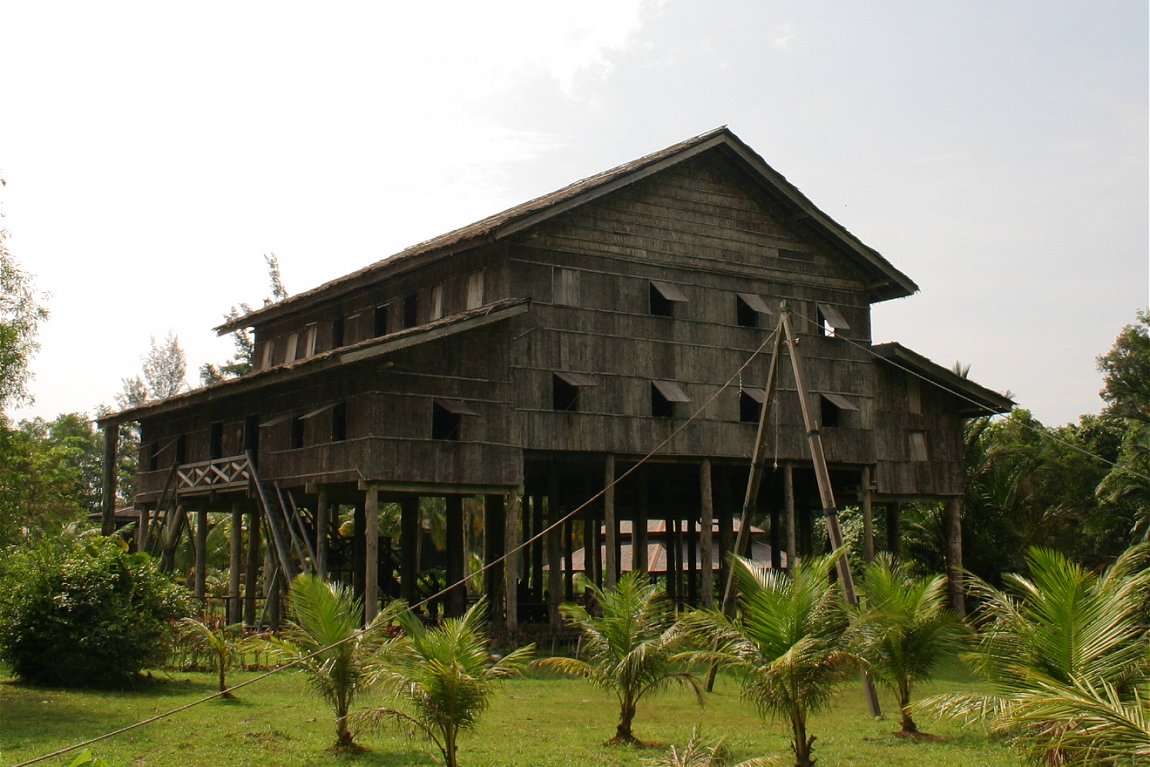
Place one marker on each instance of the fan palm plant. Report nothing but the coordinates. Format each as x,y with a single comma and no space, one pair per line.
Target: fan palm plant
446,676
788,642
223,644
905,629
1068,653
325,640
630,650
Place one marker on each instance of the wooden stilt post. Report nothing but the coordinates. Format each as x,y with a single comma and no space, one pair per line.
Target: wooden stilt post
322,528
552,548
201,547
142,529
611,558
456,558
706,521
640,557
371,554
235,564
494,534
511,564
251,576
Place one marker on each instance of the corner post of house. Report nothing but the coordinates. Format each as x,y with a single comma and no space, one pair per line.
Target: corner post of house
611,524
201,554
370,554
954,554
142,528
494,533
514,507
108,500
235,563
322,525
706,522
456,557
867,493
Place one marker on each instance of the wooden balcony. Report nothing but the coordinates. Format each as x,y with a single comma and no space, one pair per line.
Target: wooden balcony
221,474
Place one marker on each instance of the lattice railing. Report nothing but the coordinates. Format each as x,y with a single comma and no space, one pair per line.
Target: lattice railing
219,474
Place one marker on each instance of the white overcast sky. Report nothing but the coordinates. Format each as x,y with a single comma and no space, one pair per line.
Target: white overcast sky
996,152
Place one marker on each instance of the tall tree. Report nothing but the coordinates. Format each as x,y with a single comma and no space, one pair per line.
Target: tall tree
243,360
1126,371
21,312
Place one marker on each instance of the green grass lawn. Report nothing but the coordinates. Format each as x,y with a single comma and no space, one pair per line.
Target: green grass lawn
540,720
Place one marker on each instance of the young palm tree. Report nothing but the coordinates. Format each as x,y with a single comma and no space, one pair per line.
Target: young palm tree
224,644
905,629
788,642
630,649
1068,653
326,642
446,675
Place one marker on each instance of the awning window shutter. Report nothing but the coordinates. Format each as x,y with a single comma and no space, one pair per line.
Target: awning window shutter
671,391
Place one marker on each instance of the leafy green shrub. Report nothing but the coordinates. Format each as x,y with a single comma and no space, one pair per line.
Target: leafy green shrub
82,611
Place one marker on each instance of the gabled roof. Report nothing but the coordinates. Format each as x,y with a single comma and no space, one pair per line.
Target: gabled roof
888,282
977,399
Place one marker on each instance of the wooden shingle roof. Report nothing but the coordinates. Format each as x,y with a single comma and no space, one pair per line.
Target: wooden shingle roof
888,282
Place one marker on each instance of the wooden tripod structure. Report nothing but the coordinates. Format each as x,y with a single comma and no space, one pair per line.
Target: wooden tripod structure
784,333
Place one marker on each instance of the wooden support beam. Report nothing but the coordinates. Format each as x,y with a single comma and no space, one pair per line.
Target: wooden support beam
553,546
371,554
142,528
706,521
512,540
789,508
201,547
611,524
456,557
954,554
322,529
494,535
251,575
235,563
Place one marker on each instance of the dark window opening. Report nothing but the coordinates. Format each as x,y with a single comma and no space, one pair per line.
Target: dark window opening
296,433
663,297
411,311
153,456
831,409
216,440
749,308
564,396
337,333
252,434
339,422
750,405
379,328
830,320
182,449
444,423
664,395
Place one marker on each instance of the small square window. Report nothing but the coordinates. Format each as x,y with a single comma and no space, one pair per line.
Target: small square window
216,440
913,395
564,287
411,311
292,347
831,408
750,310
296,433
269,348
379,323
153,456
750,405
339,422
917,442
436,302
663,296
337,332
447,418
309,340
475,290
565,389
664,395
830,320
